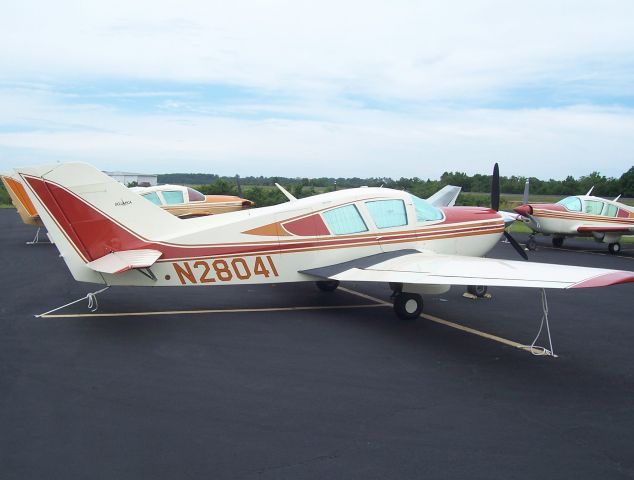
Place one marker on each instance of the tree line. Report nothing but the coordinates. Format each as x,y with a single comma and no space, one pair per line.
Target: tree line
262,191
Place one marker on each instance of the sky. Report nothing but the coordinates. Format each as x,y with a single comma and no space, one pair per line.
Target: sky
309,89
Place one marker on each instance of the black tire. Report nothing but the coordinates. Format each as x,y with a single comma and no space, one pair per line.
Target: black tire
558,242
327,285
531,244
614,248
408,306
477,290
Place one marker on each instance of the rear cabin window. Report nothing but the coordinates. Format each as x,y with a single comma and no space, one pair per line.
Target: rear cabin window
345,220
173,197
571,203
593,207
195,195
425,212
387,213
152,197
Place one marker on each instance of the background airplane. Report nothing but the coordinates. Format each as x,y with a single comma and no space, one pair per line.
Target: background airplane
186,202
109,235
23,205
581,215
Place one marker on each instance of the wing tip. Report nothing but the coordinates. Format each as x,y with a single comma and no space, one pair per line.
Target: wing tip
606,279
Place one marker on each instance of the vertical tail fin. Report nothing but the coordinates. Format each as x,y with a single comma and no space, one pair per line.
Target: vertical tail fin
91,215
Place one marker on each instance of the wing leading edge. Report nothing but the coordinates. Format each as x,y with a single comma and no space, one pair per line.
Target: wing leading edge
426,268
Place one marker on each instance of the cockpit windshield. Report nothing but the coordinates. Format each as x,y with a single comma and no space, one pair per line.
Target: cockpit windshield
571,203
425,212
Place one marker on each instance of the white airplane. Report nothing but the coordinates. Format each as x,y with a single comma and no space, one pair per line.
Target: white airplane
579,216
109,235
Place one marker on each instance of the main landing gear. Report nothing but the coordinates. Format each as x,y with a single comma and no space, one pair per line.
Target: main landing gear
407,306
614,248
558,242
477,290
531,244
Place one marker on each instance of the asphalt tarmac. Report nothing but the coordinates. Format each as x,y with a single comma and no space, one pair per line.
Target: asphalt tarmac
338,389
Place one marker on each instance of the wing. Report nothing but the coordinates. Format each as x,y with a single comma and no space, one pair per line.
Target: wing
414,267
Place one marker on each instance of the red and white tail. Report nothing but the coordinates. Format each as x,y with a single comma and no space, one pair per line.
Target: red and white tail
90,215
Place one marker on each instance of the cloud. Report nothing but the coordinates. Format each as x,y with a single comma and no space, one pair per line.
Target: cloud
320,88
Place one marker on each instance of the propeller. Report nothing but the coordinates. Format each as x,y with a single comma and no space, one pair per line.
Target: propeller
495,205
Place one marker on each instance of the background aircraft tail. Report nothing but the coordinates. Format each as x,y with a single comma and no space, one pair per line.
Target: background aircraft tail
90,215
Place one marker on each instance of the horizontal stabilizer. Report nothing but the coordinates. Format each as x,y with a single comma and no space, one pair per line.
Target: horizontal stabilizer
119,262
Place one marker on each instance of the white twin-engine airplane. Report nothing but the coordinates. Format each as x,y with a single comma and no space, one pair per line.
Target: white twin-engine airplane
109,235
579,216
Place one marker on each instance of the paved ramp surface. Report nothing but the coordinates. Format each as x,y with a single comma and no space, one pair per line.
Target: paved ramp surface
336,389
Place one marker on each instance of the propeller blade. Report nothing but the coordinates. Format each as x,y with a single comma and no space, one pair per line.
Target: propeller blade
495,188
518,248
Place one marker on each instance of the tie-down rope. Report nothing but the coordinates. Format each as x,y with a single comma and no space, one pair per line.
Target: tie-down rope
93,305
536,349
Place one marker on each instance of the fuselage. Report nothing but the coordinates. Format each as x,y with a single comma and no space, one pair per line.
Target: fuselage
261,245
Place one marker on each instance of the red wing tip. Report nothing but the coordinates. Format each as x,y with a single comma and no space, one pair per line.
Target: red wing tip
606,280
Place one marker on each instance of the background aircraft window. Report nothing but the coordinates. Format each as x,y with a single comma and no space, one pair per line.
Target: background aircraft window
173,196
610,210
195,195
387,213
571,203
593,207
345,220
152,197
424,211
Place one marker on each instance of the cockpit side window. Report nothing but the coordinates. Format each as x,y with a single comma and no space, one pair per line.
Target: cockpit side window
610,210
593,207
572,204
387,213
345,220
173,197
425,212
152,197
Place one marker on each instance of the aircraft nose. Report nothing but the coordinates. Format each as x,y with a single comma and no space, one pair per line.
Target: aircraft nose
524,210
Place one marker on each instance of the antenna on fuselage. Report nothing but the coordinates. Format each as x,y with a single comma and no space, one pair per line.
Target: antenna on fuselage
590,191
617,197
286,193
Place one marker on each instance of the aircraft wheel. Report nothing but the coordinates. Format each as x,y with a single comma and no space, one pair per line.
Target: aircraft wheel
408,306
327,285
558,242
614,248
531,244
477,290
